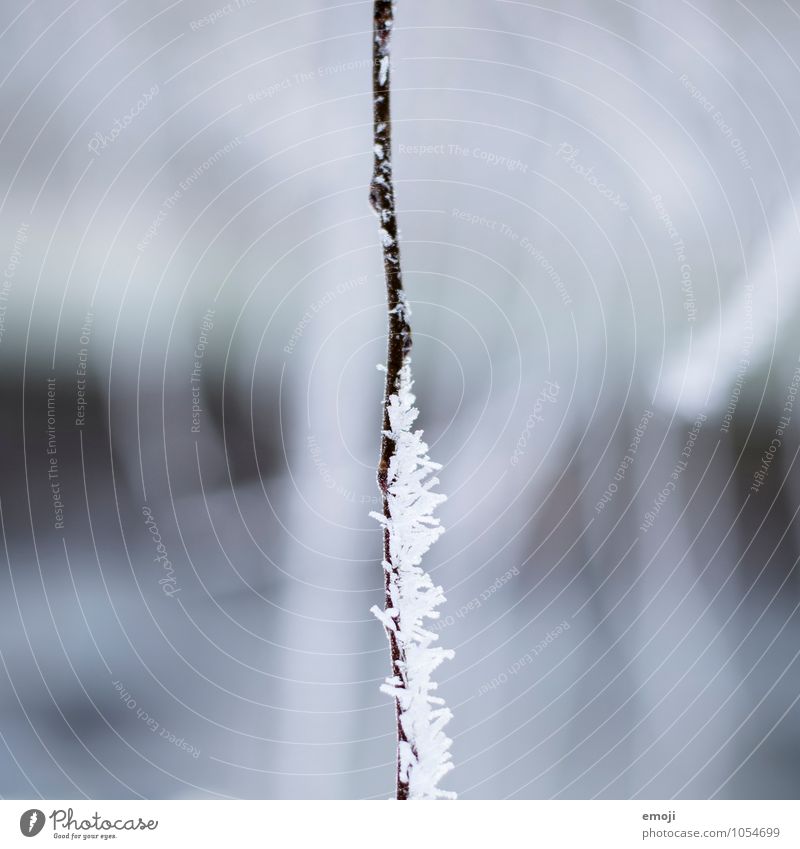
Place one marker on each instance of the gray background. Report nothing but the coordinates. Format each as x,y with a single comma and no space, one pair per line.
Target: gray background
678,674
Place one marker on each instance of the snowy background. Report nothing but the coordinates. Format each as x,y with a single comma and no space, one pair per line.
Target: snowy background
602,254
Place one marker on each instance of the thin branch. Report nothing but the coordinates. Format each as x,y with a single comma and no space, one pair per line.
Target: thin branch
404,477
382,200
381,197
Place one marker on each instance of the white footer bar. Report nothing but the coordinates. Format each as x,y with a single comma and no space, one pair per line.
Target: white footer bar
373,825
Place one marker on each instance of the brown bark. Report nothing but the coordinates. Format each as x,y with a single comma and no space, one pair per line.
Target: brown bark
399,336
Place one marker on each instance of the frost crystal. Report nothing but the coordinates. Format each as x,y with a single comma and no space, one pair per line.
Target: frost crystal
412,527
383,71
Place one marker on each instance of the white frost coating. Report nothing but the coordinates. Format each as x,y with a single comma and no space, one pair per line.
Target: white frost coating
425,758
403,309
383,71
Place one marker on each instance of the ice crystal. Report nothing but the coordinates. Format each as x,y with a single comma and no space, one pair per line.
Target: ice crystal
412,528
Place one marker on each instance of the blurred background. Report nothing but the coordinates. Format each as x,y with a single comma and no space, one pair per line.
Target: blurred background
601,248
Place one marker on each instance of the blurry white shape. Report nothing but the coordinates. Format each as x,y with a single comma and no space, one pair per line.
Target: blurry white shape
722,353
